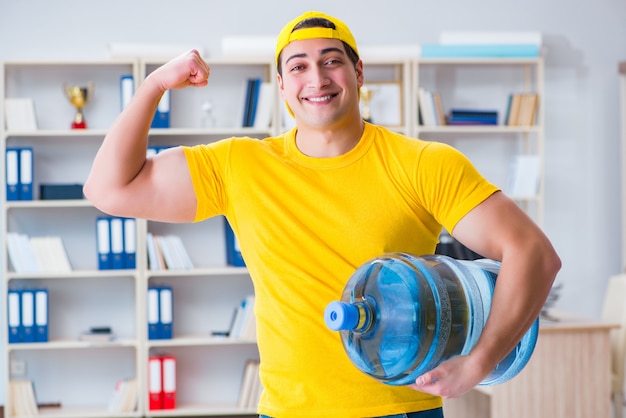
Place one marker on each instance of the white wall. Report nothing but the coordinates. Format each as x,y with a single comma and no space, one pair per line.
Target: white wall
584,40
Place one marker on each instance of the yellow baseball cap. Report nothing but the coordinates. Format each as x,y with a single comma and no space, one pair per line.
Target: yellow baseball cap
287,34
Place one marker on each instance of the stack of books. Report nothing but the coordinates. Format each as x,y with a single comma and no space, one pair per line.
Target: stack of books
251,387
124,398
522,109
472,117
167,252
37,254
244,322
22,398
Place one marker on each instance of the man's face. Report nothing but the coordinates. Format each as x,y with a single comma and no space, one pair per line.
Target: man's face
319,82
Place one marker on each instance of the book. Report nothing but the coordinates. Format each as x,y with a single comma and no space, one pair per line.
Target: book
249,391
472,117
19,114
480,51
478,37
524,177
22,398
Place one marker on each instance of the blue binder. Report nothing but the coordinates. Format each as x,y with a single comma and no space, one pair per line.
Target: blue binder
153,313
12,164
233,252
26,173
28,316
103,242
127,89
41,315
162,115
116,226
166,312
130,243
14,316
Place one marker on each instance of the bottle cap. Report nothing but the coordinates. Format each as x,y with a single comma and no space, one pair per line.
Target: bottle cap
341,316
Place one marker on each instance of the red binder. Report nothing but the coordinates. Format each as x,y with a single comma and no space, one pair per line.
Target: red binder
155,387
169,381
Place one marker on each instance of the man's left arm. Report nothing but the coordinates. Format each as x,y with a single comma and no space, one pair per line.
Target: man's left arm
500,230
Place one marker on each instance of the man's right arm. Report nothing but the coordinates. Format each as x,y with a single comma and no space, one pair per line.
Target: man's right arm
122,181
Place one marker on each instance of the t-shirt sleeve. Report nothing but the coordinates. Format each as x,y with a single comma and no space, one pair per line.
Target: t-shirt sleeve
207,166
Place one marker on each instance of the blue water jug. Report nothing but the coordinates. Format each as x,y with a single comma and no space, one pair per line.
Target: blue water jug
402,315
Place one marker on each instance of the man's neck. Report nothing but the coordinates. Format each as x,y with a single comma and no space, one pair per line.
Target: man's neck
328,143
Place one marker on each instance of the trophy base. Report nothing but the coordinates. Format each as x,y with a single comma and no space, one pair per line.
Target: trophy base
79,125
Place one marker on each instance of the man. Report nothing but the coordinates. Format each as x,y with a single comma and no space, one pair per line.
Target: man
312,205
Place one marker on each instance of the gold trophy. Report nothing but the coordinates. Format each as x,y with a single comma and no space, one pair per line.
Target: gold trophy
79,96
366,97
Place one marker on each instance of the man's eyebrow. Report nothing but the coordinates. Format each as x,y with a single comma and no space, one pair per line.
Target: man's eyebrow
295,56
322,52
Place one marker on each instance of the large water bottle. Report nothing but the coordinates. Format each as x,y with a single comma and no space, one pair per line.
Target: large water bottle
402,315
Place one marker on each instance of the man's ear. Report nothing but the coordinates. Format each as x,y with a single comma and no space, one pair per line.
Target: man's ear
279,81
360,78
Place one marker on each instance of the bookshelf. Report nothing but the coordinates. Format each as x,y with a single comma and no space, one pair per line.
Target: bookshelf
209,368
204,297
622,95
485,84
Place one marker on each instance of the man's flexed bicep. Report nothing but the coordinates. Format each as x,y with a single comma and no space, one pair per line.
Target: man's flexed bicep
122,181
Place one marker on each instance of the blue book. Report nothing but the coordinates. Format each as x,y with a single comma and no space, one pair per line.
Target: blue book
254,101
130,243
248,102
26,173
480,51
103,243
162,115
28,316
12,164
14,316
153,313
117,243
41,315
233,252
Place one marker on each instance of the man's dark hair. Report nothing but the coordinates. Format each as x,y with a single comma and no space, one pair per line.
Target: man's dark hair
319,22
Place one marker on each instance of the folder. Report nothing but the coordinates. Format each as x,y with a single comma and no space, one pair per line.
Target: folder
12,174
130,243
127,89
117,243
41,315
155,387
233,252
153,314
26,173
165,312
14,316
162,115
169,382
28,316
103,237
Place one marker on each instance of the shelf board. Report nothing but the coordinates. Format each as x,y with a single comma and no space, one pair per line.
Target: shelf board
203,271
478,129
71,344
198,340
48,203
75,274
194,409
479,61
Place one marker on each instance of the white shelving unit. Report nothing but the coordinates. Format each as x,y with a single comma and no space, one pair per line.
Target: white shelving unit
76,377
80,376
485,83
622,94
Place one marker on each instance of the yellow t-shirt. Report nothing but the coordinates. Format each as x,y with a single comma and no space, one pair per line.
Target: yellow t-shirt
304,225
